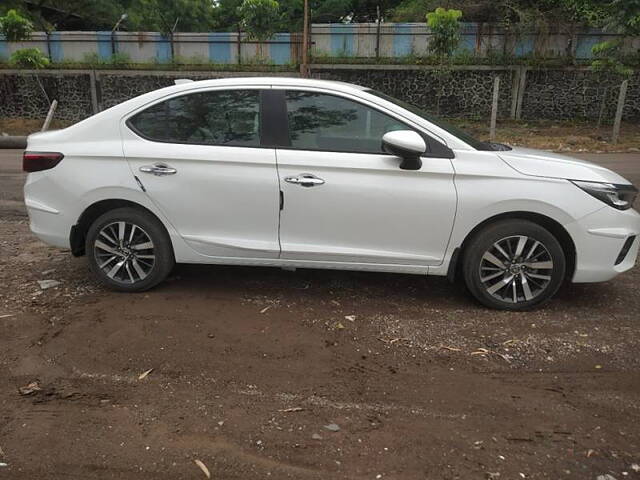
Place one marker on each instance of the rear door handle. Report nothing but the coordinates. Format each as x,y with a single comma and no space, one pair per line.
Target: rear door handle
305,180
158,169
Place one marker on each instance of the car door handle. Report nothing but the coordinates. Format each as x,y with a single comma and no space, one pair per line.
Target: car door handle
159,169
305,180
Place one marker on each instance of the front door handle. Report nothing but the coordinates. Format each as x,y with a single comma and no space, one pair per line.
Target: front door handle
305,180
158,169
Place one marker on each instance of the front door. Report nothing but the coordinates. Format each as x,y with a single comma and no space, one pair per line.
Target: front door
202,162
345,200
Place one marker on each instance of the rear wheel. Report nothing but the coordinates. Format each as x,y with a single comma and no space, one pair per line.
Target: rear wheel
129,250
514,265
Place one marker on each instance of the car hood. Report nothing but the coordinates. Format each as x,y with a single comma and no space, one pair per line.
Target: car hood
539,163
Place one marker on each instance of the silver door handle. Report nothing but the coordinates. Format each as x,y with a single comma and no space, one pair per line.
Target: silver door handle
158,169
305,180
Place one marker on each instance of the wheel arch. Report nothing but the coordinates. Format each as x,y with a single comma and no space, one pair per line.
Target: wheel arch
553,226
79,231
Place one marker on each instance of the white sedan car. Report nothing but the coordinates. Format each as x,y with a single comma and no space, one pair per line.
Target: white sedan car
316,174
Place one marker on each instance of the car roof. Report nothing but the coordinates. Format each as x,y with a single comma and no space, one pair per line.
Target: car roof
273,80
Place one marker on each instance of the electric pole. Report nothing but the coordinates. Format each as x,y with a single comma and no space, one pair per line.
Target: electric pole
304,66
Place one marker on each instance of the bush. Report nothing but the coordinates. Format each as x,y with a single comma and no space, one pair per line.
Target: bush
29,58
445,28
608,57
15,27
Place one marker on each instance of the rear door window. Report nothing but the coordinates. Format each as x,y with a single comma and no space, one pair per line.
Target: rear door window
227,117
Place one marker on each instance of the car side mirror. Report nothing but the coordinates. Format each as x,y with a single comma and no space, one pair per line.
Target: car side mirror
407,145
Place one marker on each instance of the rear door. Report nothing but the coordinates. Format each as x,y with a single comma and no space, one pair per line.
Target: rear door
345,200
203,162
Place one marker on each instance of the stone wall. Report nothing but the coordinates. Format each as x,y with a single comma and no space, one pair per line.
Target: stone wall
567,94
23,95
449,92
458,91
466,91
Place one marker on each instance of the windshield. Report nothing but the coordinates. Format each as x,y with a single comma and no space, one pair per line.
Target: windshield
455,131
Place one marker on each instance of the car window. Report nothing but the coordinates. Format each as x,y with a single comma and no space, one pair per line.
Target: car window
455,131
319,121
230,117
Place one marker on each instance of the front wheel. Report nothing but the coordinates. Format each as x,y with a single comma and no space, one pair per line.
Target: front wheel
514,265
129,250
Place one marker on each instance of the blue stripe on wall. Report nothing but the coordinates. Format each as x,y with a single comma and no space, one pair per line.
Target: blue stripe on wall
342,39
280,53
402,43
525,45
163,48
585,43
220,52
55,47
4,50
104,44
468,34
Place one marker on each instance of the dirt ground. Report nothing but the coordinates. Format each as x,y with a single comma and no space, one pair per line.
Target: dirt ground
560,136
251,369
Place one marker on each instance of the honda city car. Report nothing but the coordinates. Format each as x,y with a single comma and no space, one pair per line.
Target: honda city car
301,173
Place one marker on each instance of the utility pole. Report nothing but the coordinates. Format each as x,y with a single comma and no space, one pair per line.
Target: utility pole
113,32
378,20
304,66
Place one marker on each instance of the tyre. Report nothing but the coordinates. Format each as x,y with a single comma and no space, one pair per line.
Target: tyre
129,250
514,265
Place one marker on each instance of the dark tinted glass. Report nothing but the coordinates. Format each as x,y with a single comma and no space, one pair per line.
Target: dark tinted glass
455,131
229,117
326,122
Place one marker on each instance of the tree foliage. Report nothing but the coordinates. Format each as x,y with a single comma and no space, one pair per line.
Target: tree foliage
15,27
607,58
621,16
259,18
445,29
168,15
624,16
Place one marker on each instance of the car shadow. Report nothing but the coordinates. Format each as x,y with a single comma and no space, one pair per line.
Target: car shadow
324,285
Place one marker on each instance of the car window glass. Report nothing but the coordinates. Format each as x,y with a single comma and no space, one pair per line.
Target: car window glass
319,121
208,118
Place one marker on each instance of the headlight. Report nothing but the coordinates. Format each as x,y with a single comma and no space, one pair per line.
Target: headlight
617,196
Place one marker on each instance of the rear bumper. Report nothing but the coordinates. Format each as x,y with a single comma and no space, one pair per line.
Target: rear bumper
49,227
599,239
48,220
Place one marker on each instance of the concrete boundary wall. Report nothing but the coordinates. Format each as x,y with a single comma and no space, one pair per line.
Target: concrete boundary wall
460,91
331,40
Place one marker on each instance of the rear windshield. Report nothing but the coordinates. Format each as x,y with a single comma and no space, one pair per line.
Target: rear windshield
455,131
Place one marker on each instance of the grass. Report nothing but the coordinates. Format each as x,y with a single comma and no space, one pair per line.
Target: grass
123,62
556,135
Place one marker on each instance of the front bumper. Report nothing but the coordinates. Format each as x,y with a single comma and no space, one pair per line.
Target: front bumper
599,239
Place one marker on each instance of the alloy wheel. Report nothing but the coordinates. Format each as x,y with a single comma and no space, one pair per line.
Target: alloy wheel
516,269
124,252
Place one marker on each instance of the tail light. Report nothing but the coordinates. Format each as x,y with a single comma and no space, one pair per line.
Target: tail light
37,161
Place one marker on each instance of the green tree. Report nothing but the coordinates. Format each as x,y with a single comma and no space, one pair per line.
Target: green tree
225,15
168,15
15,27
260,18
608,58
445,29
624,16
